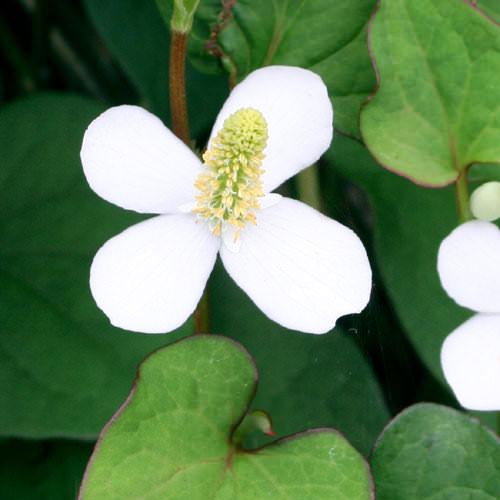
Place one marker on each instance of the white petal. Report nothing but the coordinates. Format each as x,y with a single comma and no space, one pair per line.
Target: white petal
230,238
469,266
301,268
150,277
132,160
299,115
470,358
269,200
485,201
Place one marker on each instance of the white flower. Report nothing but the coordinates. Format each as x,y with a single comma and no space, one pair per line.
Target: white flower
469,269
302,269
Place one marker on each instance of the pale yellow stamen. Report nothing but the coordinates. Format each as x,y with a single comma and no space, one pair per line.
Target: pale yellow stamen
230,187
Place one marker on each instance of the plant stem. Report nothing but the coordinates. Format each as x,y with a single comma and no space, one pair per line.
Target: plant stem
180,125
201,315
308,187
177,86
462,197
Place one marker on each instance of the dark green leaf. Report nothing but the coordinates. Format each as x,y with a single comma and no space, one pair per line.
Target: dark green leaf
324,36
409,223
307,380
436,110
172,439
481,173
64,368
42,470
433,452
137,36
203,47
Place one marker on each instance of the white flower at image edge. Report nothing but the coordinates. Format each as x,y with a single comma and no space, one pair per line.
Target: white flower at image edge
469,269
302,269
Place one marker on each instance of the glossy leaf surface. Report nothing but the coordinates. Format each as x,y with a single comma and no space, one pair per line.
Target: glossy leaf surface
172,438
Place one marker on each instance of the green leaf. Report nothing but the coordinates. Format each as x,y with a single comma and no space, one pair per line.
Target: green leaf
166,10
324,36
421,218
409,223
203,48
437,108
42,470
135,33
433,452
64,368
490,7
182,16
171,439
484,173
306,380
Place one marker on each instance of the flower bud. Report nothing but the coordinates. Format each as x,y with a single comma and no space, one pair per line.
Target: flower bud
485,201
182,16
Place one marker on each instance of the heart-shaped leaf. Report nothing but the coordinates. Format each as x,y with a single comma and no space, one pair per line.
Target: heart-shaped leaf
433,452
436,110
172,438
64,368
324,36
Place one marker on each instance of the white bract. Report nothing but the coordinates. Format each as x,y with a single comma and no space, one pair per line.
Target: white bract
469,269
485,201
301,268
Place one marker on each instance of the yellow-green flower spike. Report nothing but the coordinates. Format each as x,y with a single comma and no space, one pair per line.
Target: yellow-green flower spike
230,187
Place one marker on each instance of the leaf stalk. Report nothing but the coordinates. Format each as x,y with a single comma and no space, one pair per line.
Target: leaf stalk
180,126
177,86
462,197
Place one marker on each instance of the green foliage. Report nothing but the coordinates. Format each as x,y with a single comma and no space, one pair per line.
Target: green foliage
166,10
324,36
284,358
490,7
64,368
436,110
434,452
172,439
421,218
182,17
32,470
135,33
203,49
329,376
404,212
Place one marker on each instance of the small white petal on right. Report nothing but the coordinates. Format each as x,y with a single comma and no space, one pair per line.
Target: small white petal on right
150,277
485,201
132,160
302,269
469,266
470,358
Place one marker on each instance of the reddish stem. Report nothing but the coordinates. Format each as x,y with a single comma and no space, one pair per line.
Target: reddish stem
177,86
